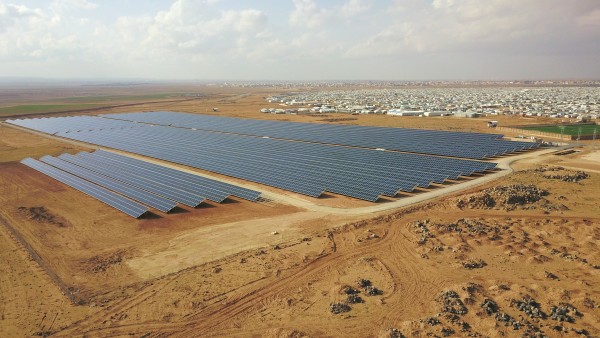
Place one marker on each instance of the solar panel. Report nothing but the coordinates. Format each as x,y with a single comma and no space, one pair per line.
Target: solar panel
140,182
301,167
119,202
445,143
142,196
308,168
202,183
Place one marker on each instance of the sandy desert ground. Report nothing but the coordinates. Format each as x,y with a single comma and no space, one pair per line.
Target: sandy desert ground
517,256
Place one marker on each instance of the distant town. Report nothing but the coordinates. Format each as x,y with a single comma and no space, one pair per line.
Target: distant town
575,103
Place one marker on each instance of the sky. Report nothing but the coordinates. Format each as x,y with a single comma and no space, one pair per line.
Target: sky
301,39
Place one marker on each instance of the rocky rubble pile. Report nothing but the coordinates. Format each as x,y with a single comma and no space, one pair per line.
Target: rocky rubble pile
352,296
472,227
564,312
421,227
564,175
529,306
337,308
507,197
574,177
474,264
489,306
451,303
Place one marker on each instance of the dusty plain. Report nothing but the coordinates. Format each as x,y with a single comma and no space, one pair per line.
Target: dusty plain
455,265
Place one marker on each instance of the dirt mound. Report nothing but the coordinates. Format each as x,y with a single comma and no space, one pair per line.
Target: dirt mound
507,197
560,173
41,215
101,263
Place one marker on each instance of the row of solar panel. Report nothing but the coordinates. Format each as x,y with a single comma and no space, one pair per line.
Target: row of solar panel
305,168
454,144
445,143
115,200
153,185
53,125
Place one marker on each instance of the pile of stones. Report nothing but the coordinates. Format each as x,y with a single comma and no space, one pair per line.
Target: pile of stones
421,227
451,303
529,306
507,196
474,264
337,308
564,312
368,287
489,306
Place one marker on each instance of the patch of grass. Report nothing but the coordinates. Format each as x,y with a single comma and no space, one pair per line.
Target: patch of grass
586,129
117,98
43,108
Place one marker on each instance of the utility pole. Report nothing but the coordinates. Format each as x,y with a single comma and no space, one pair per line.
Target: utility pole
562,128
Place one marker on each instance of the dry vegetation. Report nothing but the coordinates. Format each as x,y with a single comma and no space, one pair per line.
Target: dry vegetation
515,257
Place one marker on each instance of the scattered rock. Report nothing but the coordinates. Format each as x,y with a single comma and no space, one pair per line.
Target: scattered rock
42,215
529,306
337,308
569,176
489,306
101,263
564,312
474,264
451,303
431,321
363,283
589,303
395,333
372,291
347,289
508,197
446,332
508,320
354,299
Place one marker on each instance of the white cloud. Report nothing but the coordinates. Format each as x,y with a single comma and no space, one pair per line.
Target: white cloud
473,25
67,5
209,38
355,7
308,15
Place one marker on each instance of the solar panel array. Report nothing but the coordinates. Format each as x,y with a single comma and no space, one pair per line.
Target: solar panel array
115,200
150,184
309,168
306,168
53,125
435,142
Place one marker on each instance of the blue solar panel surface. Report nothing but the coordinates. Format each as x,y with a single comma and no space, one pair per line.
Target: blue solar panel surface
135,179
117,201
219,190
306,168
53,125
303,167
445,143
142,196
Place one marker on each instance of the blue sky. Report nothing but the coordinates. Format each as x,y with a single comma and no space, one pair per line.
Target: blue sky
301,39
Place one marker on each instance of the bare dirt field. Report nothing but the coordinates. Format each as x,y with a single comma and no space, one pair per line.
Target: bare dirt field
515,256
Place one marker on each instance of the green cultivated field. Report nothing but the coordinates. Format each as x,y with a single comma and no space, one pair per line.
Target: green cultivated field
586,129
43,108
79,103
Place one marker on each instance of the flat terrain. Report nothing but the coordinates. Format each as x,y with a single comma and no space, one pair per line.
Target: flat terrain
585,129
72,266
